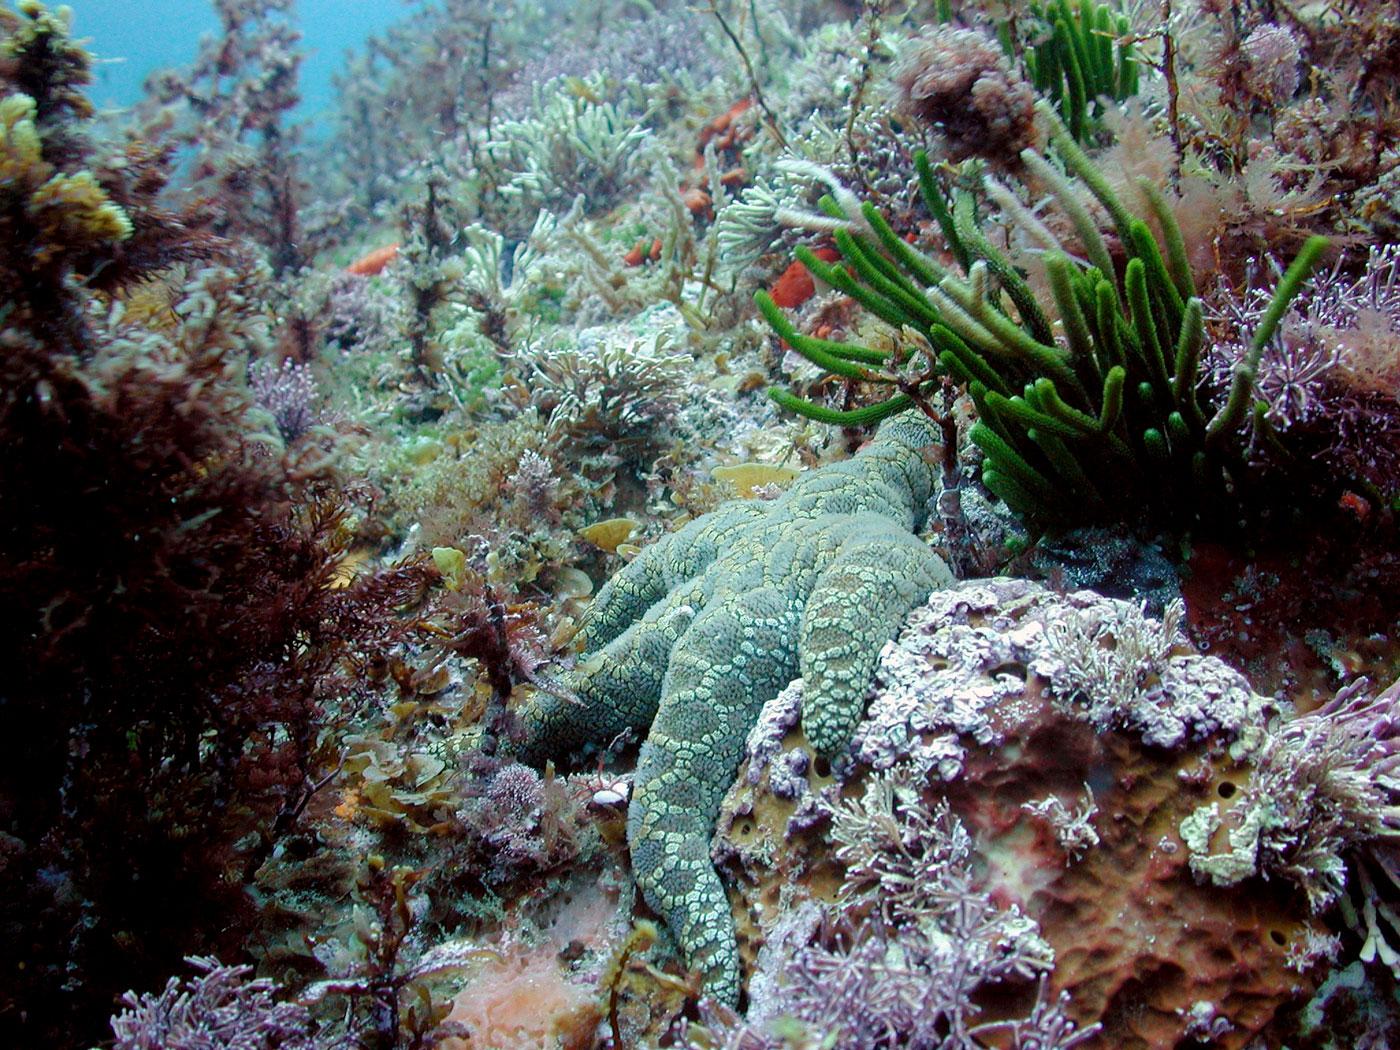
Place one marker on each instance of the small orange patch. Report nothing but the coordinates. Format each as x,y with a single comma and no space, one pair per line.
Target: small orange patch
1357,506
696,200
794,287
349,804
722,122
373,262
636,256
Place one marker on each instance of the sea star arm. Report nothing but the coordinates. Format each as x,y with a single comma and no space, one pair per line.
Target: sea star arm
736,655
651,575
617,688
878,574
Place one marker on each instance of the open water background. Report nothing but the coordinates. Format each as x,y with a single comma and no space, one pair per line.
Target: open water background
133,38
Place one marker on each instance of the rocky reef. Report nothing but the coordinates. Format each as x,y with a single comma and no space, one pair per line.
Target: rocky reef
799,525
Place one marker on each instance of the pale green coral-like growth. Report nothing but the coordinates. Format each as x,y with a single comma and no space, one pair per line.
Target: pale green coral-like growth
569,145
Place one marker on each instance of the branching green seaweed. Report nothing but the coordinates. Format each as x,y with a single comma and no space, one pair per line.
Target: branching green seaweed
1086,55
1104,422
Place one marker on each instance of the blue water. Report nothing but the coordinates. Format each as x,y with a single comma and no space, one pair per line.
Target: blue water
132,39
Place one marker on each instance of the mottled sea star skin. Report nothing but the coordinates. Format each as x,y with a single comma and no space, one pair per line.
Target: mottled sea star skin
708,624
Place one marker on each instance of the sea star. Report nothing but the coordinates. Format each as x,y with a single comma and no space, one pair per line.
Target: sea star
711,622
